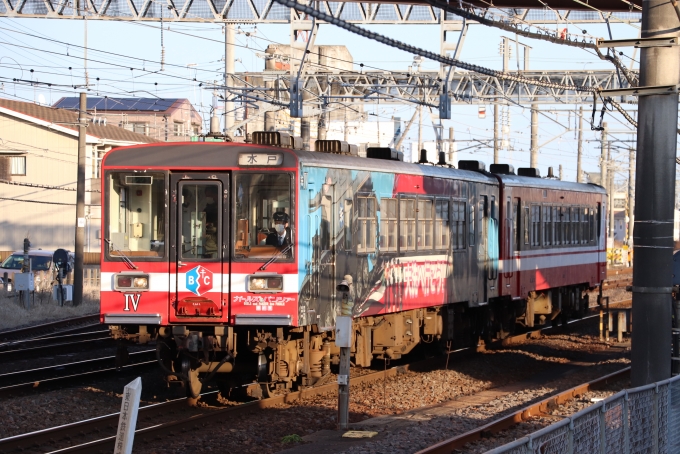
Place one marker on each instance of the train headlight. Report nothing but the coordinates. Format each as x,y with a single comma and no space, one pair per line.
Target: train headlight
141,282
258,284
131,281
270,283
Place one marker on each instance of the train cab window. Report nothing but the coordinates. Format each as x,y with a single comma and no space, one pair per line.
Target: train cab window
535,225
471,226
598,220
425,237
199,235
441,224
458,225
407,225
263,221
547,225
388,225
591,222
366,224
136,213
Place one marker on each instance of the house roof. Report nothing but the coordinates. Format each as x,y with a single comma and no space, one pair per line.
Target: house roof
121,104
66,121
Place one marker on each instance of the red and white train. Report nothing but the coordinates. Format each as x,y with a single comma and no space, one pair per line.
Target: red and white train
228,255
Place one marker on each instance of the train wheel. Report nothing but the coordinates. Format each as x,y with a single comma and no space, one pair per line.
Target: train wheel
192,384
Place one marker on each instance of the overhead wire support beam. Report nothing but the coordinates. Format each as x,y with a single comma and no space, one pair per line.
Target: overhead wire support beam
639,42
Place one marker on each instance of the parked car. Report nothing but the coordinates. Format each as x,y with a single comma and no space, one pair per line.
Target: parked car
41,260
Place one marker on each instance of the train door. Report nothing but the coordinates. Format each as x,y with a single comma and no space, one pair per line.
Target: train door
198,266
326,263
492,246
508,243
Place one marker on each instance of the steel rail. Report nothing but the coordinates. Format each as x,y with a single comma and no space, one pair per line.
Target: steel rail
524,414
39,377
37,341
53,349
39,329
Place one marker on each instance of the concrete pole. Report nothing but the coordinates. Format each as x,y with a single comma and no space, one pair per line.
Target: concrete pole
322,127
80,204
229,56
420,132
610,190
561,173
579,169
534,136
344,129
305,132
495,134
631,195
603,156
452,156
655,184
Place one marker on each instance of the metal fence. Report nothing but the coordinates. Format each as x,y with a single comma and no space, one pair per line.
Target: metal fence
634,421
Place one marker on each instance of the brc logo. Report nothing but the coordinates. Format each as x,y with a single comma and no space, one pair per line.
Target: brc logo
199,280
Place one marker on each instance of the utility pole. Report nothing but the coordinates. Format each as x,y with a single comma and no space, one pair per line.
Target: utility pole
610,190
579,169
534,136
495,133
305,132
655,184
451,144
80,204
344,130
229,38
631,196
420,131
561,173
603,156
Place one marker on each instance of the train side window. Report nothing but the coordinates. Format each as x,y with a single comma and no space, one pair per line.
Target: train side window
442,224
366,224
566,225
547,225
458,225
388,225
557,226
516,206
598,221
471,225
526,219
575,225
535,225
585,233
349,222
425,225
591,222
407,225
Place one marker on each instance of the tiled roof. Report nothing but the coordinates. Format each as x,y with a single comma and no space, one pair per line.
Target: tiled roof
69,119
119,104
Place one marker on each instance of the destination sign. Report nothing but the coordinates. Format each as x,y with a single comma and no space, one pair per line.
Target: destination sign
260,159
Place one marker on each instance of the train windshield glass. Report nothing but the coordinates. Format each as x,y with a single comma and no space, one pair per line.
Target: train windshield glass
263,216
136,214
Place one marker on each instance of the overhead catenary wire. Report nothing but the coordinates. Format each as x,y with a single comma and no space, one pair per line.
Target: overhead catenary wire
422,52
548,36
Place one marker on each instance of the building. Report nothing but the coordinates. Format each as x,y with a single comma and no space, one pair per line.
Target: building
168,120
38,173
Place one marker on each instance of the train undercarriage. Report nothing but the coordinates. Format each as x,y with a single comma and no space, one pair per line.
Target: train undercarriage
260,361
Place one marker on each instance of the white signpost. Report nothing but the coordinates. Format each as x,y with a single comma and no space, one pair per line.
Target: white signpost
128,417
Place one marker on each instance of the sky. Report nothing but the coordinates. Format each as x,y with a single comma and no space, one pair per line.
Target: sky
124,61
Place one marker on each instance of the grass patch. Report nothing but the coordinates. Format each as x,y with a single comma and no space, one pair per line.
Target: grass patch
295,438
42,308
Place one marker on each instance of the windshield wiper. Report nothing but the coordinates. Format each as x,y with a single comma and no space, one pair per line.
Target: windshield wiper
273,259
125,258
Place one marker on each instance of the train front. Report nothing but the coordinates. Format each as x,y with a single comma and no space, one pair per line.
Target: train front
199,256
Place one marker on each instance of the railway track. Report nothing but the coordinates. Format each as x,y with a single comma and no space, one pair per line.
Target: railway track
49,377
98,434
49,346
523,414
69,325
